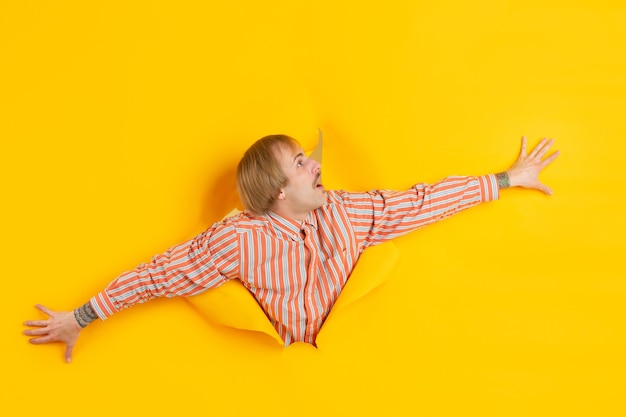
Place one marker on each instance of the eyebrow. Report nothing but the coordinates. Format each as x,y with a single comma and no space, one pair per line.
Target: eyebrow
297,156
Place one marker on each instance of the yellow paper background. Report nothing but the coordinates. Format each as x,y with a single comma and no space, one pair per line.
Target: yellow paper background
121,124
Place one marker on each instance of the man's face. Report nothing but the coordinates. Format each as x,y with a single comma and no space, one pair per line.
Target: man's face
304,191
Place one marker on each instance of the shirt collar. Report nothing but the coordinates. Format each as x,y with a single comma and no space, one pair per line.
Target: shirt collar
291,227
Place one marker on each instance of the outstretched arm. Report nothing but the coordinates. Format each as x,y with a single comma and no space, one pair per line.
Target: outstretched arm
525,171
184,270
381,215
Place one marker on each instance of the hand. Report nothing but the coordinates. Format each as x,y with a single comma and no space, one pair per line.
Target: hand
61,326
525,171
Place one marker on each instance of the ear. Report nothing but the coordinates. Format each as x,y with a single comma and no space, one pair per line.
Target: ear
281,195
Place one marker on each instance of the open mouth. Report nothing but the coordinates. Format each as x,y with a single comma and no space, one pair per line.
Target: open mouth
318,183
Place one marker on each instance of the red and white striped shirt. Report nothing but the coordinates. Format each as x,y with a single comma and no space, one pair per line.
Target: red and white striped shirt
295,270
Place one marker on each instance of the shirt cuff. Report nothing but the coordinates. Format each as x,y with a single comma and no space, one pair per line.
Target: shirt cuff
103,305
488,185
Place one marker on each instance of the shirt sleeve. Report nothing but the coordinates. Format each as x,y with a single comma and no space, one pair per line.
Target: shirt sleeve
206,261
381,215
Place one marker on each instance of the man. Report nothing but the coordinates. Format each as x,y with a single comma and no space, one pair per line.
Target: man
295,245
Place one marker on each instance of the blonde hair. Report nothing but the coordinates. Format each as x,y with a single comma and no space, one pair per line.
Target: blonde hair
259,174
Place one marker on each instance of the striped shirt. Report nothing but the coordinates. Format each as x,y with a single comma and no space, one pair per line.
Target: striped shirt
295,270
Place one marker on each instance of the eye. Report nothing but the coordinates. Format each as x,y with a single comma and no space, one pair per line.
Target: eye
299,163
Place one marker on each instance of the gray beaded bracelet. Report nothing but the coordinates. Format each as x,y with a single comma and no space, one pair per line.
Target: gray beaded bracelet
85,315
503,180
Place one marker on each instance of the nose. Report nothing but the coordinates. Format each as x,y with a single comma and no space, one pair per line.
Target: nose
316,166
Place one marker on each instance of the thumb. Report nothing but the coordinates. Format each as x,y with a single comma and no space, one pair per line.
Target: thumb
68,353
547,190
